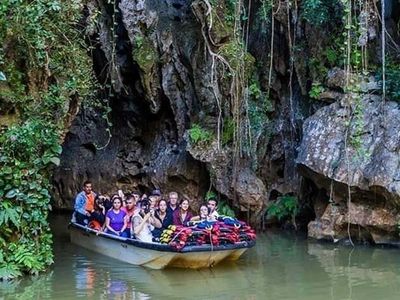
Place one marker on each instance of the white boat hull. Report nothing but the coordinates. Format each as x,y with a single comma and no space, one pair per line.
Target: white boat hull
120,249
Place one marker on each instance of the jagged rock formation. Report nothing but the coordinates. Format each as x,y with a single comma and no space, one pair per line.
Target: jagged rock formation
371,169
161,79
368,223
155,60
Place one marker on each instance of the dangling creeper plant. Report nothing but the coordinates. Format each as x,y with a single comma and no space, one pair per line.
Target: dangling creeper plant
112,70
48,73
230,61
383,52
356,67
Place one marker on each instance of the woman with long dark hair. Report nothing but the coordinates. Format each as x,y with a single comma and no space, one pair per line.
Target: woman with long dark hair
164,216
115,219
182,215
204,214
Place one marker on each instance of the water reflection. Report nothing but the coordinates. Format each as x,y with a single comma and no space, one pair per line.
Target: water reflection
281,266
360,272
103,280
36,287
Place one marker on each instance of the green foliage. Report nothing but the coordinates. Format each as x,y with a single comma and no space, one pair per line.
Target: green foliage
46,68
228,7
316,90
259,107
392,75
237,57
228,131
210,195
254,90
332,56
315,12
320,12
264,14
283,208
230,10
225,210
9,271
199,135
318,68
144,53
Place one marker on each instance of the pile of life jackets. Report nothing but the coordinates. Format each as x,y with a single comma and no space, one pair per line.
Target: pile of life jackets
225,230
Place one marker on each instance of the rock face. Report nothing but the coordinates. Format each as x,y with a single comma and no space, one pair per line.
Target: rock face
364,223
242,184
364,157
155,61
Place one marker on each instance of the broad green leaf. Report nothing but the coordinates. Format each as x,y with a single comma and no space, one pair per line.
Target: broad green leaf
57,149
55,160
12,193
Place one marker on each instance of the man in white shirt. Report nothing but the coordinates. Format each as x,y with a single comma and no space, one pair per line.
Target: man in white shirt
212,205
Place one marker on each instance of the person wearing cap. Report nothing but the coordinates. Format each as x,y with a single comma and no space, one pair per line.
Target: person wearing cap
157,194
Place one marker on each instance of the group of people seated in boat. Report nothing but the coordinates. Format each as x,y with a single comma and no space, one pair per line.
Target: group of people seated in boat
137,216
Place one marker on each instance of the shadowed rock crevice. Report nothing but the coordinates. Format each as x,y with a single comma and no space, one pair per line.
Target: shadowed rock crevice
156,70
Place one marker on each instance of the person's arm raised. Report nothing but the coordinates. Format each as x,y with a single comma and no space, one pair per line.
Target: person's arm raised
138,225
155,221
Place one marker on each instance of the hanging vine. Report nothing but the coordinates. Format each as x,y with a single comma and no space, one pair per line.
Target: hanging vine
47,73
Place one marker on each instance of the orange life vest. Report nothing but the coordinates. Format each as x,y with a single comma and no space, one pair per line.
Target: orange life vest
89,202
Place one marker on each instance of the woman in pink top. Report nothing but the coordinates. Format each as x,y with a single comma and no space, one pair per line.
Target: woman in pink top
182,215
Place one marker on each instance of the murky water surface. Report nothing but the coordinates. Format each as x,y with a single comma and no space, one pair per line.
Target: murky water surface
281,266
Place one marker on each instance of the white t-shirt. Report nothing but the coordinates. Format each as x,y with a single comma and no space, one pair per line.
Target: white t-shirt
145,234
214,214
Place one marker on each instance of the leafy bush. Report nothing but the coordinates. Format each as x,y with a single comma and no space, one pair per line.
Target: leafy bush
44,67
316,90
392,75
225,210
264,14
314,12
284,207
199,135
228,131
320,12
210,195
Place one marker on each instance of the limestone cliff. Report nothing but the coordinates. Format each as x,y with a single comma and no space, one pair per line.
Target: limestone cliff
273,111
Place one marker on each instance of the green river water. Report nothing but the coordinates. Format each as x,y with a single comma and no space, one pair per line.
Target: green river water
281,266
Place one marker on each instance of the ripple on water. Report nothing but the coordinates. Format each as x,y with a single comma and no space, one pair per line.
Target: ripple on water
281,266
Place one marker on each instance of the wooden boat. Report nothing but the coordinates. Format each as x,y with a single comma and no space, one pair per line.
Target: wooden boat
154,255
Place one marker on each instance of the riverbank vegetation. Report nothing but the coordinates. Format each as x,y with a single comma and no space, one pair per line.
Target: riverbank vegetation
45,72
